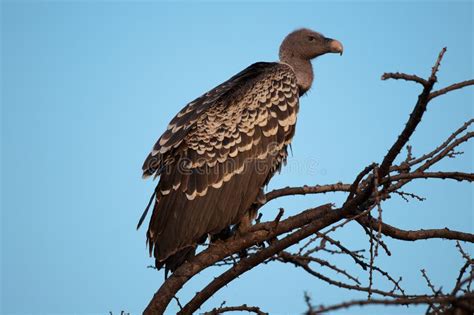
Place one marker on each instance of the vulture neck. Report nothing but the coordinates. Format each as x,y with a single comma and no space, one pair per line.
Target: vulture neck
303,70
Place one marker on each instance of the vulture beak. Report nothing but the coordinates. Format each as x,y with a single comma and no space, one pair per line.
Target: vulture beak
335,46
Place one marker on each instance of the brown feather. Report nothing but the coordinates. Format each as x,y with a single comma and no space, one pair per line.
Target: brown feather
227,136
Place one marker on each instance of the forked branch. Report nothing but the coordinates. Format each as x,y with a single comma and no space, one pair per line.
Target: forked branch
269,241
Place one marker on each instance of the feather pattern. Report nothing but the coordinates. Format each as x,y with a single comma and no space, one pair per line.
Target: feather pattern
217,154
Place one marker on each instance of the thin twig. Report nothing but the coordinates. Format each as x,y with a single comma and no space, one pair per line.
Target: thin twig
450,88
403,76
242,308
401,301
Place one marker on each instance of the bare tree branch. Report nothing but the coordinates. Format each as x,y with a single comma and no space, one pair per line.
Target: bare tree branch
250,262
304,190
450,88
268,241
256,235
416,235
401,301
403,76
241,308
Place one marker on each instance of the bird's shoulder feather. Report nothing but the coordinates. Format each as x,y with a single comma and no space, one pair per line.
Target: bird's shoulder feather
216,110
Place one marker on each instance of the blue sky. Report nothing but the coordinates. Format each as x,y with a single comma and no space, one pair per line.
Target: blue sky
88,86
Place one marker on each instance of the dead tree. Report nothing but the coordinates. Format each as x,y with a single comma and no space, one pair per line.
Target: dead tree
313,228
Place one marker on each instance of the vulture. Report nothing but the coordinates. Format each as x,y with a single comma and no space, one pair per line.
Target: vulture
221,150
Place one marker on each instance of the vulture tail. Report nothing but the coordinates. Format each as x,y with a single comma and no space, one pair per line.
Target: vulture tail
174,261
145,212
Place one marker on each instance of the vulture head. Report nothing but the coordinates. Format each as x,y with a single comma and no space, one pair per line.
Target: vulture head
307,44
300,47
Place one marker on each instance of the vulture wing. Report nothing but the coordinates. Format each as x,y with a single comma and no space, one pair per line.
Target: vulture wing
217,154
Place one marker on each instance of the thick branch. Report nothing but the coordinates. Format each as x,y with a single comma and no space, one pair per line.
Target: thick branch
250,262
415,119
216,252
304,190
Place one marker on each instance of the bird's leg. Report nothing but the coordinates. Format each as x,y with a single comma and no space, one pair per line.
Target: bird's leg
261,198
247,219
222,235
252,213
245,224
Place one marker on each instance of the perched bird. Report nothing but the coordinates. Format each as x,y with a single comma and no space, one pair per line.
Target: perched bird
221,149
